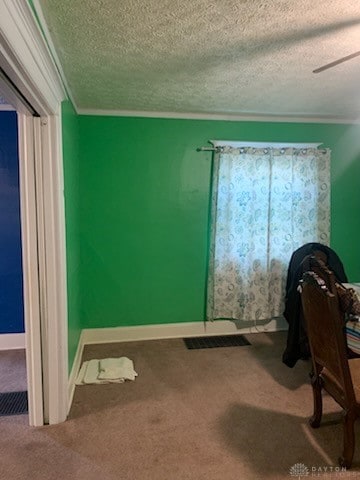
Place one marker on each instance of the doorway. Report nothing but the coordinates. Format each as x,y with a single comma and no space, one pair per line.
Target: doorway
30,81
22,313
13,380
11,294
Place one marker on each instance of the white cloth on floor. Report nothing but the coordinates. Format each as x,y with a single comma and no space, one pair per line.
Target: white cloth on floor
117,369
107,370
92,372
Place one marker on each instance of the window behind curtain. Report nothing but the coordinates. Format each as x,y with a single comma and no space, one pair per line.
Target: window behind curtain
266,202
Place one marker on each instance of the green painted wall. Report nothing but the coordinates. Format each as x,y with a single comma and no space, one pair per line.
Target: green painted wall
72,208
144,211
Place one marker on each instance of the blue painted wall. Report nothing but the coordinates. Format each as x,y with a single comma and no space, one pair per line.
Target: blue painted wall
11,290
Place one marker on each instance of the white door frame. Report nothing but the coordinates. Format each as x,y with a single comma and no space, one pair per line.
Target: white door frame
27,62
30,269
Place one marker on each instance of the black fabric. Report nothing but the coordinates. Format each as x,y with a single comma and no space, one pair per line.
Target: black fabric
297,344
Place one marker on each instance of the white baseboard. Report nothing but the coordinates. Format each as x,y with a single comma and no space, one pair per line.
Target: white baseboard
12,341
75,370
177,330
161,331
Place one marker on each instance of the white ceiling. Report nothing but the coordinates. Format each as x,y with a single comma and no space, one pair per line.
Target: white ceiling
209,56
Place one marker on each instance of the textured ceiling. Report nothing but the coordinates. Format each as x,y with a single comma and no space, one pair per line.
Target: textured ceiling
203,56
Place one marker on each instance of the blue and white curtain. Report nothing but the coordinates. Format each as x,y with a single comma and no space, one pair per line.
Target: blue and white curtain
265,204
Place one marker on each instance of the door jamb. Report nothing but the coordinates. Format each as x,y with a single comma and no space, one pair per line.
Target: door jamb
30,269
27,62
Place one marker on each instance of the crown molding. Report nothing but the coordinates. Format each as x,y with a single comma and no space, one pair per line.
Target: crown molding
52,49
24,52
220,116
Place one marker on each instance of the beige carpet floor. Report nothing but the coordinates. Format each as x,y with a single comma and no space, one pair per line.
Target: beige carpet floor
226,413
12,371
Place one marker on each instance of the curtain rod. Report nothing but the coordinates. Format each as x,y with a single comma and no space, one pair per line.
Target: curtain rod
220,148
219,145
209,149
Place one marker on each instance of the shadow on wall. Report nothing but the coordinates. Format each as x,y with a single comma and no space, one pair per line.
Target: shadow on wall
345,186
348,147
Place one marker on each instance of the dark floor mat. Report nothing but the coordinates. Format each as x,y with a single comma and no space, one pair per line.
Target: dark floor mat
13,403
216,342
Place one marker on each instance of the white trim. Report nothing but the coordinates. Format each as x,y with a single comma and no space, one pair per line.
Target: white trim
12,341
176,330
50,43
41,259
75,370
55,268
8,91
25,57
220,116
31,287
230,143
26,60
6,108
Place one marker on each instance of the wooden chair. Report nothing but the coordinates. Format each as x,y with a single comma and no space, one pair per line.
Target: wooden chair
332,370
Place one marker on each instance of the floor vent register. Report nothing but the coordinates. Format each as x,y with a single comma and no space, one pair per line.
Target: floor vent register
216,341
13,403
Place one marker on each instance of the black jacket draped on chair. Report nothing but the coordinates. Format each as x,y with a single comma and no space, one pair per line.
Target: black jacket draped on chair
297,343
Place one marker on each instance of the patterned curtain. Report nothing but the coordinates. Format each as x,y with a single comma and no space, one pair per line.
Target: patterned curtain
265,204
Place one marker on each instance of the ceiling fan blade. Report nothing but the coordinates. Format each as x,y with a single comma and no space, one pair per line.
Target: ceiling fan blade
333,64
